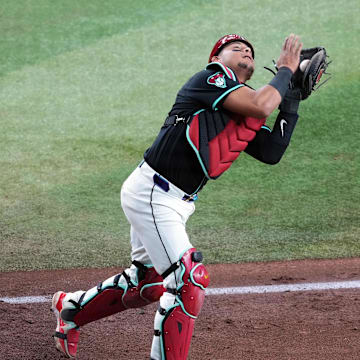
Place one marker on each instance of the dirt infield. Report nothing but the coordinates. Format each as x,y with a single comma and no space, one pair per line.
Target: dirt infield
304,325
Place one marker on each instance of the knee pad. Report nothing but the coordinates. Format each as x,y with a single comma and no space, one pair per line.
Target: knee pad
135,287
176,322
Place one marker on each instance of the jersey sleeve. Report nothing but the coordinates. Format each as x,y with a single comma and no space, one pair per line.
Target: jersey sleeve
211,86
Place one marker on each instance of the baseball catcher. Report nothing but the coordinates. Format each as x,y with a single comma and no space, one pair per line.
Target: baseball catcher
216,116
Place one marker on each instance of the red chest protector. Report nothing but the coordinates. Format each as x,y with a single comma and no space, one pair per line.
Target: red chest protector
218,139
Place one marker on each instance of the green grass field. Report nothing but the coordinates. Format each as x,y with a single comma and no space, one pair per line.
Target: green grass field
84,89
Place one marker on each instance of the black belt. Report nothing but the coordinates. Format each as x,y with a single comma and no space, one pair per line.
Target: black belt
175,119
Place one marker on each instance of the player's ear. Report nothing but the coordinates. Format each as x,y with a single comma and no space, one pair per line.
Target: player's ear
215,59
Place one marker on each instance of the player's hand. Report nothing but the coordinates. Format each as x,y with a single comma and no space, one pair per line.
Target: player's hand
290,53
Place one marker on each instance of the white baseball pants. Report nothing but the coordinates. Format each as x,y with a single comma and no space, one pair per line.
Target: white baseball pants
158,235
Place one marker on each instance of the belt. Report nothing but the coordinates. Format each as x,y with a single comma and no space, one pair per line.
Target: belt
164,184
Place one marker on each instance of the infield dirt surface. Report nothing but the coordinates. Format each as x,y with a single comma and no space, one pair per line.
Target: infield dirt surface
308,325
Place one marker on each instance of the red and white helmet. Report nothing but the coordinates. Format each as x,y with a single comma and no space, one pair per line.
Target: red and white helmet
226,40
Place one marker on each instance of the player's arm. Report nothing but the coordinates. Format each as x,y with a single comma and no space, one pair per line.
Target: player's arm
270,145
261,103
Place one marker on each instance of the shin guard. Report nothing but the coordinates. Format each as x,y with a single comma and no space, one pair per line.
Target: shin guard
135,287
183,305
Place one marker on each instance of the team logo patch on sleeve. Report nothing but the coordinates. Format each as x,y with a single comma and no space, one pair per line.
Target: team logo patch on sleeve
217,79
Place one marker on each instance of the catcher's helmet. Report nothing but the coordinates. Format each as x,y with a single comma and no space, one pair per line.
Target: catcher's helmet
226,40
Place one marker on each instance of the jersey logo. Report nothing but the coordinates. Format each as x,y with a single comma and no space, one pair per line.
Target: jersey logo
217,79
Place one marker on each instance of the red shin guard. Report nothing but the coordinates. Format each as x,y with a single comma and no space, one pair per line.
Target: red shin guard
178,324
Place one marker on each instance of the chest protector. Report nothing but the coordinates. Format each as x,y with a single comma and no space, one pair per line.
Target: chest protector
218,137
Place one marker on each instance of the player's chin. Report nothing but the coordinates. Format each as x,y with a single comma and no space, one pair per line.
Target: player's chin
248,68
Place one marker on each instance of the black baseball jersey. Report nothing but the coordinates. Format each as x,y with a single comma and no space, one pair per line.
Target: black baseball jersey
171,154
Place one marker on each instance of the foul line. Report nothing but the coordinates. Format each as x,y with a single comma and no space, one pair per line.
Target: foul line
266,289
355,284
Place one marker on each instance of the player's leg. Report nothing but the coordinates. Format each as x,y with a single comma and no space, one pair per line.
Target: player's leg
168,246
179,307
160,220
136,286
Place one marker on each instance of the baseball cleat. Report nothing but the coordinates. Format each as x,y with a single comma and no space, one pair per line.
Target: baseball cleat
67,333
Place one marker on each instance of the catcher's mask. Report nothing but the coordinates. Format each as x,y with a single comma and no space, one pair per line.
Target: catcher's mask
226,40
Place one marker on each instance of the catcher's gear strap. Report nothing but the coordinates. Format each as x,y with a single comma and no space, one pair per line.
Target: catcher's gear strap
218,139
116,294
171,269
178,322
281,80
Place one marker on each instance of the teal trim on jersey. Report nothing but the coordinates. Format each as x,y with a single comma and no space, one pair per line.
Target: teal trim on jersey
192,278
223,86
232,74
266,128
196,152
224,94
198,188
198,112
232,77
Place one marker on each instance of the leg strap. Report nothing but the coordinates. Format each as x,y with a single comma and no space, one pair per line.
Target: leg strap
171,269
60,335
196,256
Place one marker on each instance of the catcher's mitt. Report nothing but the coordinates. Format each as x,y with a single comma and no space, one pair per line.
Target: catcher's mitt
313,64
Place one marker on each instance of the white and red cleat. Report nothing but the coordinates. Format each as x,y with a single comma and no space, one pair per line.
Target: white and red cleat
67,333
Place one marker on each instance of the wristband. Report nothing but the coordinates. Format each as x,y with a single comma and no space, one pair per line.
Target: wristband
281,80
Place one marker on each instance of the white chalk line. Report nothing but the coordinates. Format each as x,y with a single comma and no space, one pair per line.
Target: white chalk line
264,289
354,284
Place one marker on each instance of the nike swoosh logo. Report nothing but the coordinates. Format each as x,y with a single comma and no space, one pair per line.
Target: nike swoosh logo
282,123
